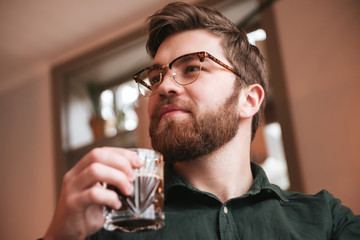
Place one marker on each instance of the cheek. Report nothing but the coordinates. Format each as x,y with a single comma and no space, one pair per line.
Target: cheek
212,95
151,106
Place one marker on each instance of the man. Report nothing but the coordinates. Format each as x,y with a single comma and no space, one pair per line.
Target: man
206,92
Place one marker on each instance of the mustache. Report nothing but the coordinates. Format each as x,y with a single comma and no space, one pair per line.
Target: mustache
186,105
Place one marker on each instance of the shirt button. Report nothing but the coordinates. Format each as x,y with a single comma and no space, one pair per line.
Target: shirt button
225,210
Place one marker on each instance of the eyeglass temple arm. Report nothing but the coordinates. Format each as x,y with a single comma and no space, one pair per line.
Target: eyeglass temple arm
226,66
138,80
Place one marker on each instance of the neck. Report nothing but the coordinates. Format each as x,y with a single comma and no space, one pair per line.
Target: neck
226,172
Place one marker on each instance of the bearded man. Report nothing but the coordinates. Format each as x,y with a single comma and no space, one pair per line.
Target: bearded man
206,90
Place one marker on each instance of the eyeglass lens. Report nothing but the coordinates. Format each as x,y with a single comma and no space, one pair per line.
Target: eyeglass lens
184,70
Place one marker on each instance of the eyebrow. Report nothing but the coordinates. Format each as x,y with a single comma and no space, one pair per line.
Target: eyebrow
155,65
160,65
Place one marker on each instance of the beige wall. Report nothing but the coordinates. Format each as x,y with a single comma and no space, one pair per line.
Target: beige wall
26,158
320,52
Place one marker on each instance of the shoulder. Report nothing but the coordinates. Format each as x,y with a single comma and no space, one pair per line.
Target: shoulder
321,201
324,207
322,196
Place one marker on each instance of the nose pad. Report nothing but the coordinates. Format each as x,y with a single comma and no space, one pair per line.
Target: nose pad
174,76
168,83
164,75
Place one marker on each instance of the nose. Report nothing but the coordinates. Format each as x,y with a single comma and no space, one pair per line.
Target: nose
168,86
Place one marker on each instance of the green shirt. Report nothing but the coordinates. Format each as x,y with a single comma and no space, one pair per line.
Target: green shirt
264,212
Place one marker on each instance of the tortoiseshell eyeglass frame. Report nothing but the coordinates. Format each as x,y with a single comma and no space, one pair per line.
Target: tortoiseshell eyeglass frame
202,55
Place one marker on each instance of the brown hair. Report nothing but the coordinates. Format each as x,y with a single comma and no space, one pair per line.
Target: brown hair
245,58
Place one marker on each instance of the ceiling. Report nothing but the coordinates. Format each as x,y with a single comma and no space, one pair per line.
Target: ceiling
43,32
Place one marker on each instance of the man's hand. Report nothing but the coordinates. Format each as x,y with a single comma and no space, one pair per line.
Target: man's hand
80,208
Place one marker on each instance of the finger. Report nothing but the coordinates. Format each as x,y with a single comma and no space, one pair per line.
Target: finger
99,196
122,159
134,159
98,172
95,155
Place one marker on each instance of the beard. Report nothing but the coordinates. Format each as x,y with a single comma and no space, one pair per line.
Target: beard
183,140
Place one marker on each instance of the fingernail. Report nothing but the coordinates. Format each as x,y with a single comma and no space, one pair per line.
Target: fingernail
118,205
130,189
132,176
139,160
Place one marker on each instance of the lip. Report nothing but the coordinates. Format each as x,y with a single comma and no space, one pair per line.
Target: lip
168,110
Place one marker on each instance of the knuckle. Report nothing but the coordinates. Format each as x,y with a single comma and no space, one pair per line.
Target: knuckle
66,178
93,194
96,154
106,148
94,169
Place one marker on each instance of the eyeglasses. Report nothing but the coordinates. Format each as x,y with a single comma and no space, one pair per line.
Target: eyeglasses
184,71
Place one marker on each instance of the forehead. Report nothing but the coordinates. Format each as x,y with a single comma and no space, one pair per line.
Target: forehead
187,42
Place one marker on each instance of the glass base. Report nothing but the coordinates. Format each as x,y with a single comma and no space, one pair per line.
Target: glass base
134,224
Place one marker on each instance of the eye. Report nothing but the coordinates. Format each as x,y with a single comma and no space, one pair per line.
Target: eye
154,76
189,67
154,80
192,68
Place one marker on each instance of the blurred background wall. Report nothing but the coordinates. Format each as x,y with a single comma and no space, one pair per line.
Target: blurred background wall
317,50
318,44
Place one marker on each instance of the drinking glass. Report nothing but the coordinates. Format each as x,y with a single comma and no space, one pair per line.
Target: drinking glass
144,209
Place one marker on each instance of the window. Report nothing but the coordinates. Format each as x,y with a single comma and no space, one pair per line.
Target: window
117,106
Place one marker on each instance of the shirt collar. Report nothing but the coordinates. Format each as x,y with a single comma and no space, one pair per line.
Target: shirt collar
260,183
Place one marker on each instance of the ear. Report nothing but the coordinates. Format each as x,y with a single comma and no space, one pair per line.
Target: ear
250,100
